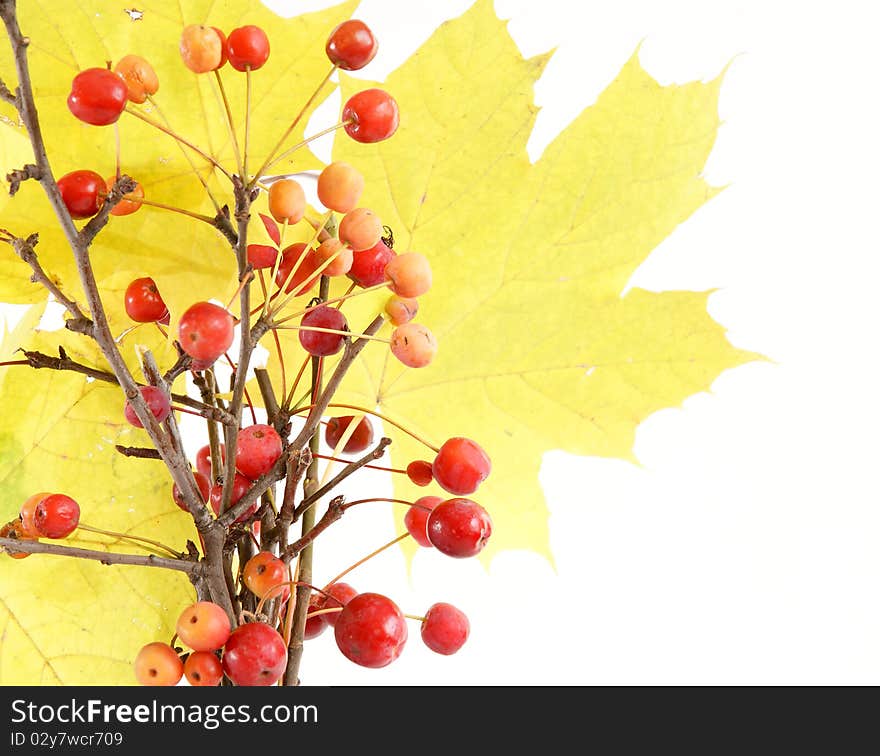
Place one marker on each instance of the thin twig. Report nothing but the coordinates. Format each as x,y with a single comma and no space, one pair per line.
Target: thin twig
14,545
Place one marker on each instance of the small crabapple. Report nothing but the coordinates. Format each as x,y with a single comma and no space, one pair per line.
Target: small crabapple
139,77
409,274
371,630
413,344
203,626
203,669
97,96
459,527
247,47
255,655
445,628
259,447
461,465
351,45
202,48
340,255
263,572
360,439
56,516
158,664
158,402
371,116
360,229
368,265
318,343
82,192
287,201
340,186
401,310
416,519
205,331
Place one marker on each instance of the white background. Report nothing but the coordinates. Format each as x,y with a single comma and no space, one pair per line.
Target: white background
744,548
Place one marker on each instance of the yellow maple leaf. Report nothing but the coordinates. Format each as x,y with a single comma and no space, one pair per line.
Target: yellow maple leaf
542,346
71,621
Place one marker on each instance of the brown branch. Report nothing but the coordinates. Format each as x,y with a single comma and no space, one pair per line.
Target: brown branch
335,510
174,459
38,361
24,248
14,545
350,468
19,175
7,95
139,452
223,224
184,362
124,185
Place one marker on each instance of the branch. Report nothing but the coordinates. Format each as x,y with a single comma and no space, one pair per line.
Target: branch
342,475
222,223
139,452
24,248
7,95
335,510
19,175
38,360
257,489
14,545
124,185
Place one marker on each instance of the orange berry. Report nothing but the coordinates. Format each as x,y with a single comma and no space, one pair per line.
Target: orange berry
28,526
287,201
413,344
360,229
139,77
342,261
201,48
158,664
401,310
126,206
340,187
409,274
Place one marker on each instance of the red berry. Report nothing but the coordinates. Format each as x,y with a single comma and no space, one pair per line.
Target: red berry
56,516
83,193
144,303
315,624
204,489
416,519
205,331
263,572
247,47
203,669
372,116
445,628
303,279
360,439
261,256
461,465
459,528
158,664
420,472
203,459
259,447
224,56
240,486
371,630
351,45
28,528
97,96
255,654
368,266
318,343
340,595
203,626
157,400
